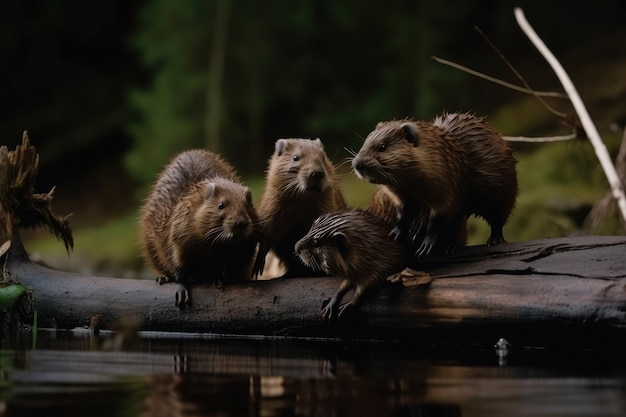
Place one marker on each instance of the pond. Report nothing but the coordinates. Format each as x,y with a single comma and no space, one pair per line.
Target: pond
160,374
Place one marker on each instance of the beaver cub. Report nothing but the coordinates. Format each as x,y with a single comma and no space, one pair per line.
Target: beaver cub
336,245
300,185
198,223
456,166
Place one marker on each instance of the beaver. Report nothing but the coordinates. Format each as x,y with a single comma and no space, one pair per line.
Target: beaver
454,167
300,185
336,245
198,223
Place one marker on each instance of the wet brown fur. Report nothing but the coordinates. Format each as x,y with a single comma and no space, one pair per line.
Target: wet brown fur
456,166
354,245
185,235
385,204
300,185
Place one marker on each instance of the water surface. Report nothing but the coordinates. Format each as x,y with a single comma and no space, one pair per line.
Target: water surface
75,374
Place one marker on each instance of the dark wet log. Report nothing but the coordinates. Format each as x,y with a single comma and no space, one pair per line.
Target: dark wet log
569,285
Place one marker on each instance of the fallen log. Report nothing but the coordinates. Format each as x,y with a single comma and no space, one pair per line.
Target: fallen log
572,285
570,290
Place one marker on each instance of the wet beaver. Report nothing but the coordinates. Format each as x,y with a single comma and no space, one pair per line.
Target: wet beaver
198,223
336,245
456,166
300,185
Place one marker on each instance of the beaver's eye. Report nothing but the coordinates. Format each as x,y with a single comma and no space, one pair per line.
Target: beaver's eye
382,146
316,243
221,205
296,158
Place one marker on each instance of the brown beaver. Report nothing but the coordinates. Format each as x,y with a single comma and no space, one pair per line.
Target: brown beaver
198,223
300,185
337,245
456,166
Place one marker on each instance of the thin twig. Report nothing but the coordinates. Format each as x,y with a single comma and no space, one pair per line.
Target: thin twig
571,136
519,75
498,81
590,129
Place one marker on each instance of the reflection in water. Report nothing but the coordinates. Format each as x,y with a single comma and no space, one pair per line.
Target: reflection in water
74,376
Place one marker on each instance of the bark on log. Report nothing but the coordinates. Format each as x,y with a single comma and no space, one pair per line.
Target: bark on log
539,291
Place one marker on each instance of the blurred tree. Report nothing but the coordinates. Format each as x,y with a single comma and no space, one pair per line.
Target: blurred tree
321,69
216,70
328,69
171,40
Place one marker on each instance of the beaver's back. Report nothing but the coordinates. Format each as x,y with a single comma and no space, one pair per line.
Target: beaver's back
492,177
187,168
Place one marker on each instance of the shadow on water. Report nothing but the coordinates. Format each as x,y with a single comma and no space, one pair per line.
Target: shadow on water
73,374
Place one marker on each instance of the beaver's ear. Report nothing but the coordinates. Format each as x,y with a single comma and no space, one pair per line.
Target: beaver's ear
410,133
319,142
248,196
210,190
341,240
280,146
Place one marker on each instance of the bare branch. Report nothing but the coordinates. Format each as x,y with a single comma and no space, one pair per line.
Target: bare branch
571,136
590,129
498,81
519,75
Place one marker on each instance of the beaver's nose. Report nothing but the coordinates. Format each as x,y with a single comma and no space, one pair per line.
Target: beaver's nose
359,165
298,247
316,175
241,223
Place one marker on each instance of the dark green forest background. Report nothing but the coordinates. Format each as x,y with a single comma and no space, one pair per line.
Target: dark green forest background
109,91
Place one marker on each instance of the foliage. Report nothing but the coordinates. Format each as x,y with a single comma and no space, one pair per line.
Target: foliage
308,69
170,44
